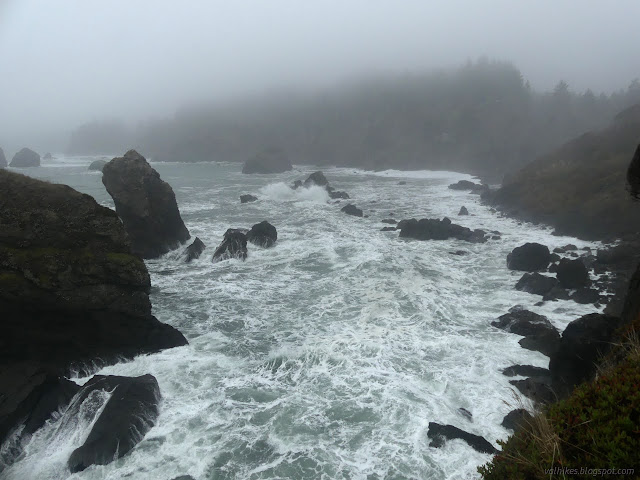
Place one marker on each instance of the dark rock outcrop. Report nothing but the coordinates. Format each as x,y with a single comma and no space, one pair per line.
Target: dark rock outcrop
540,335
194,250
388,229
434,229
516,419
583,343
467,185
97,165
529,257
463,211
536,283
248,198
633,175
234,245
586,295
556,293
271,160
390,221
25,158
439,433
526,371
537,389
3,159
351,209
316,178
572,273
146,205
131,411
567,248
263,234
337,194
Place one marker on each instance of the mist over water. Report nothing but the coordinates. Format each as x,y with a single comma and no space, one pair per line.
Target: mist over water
327,355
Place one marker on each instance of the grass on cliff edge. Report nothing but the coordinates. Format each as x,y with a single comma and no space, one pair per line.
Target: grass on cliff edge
597,427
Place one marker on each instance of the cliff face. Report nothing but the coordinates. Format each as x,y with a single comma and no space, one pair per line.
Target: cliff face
579,188
71,291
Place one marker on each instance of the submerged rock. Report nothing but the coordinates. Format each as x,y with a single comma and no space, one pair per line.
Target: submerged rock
434,229
130,412
248,198
270,160
25,158
336,194
194,250
263,234
439,433
351,209
146,205
529,257
97,165
234,245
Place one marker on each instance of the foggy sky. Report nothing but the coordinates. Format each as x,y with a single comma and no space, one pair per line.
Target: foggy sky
66,62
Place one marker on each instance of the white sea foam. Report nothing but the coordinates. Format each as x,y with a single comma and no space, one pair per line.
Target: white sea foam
327,355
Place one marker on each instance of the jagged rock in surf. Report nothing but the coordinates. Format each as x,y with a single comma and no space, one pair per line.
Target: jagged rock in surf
248,198
263,234
351,209
463,211
540,335
146,205
270,160
388,229
25,158
567,248
47,156
97,165
234,245
572,273
130,412
316,178
585,296
194,250
336,194
536,283
465,413
467,185
439,433
526,371
390,221
434,229
529,257
537,389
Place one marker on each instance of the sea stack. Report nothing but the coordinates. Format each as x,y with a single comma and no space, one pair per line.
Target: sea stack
25,158
146,205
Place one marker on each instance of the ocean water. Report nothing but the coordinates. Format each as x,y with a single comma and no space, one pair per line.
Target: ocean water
326,356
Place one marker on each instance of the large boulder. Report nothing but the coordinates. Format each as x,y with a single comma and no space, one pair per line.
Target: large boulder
146,205
194,250
540,335
351,209
25,158
72,296
3,159
247,198
129,413
529,257
583,343
97,165
434,229
439,433
234,245
536,283
271,160
572,273
263,234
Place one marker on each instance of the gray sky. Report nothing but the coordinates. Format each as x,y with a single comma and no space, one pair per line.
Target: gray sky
65,62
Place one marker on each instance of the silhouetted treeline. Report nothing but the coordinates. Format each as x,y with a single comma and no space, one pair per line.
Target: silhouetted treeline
481,118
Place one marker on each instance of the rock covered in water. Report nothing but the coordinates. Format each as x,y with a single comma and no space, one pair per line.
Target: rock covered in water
536,283
270,160
248,198
234,245
3,159
130,412
316,178
539,333
263,234
97,165
25,158
146,205
439,433
529,257
337,194
434,229
572,273
351,209
194,250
